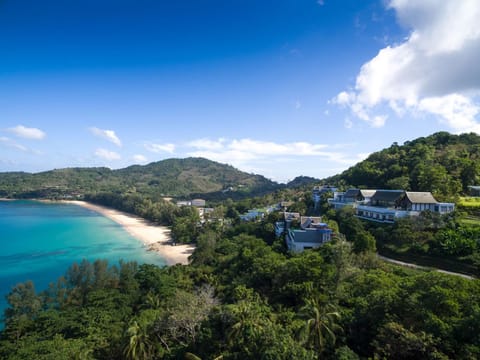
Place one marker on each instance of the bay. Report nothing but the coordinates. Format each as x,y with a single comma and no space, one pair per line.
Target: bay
39,241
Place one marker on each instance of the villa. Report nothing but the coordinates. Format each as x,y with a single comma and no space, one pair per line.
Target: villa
387,205
319,190
313,236
312,232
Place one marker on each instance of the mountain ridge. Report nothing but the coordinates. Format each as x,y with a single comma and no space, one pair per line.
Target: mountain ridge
171,177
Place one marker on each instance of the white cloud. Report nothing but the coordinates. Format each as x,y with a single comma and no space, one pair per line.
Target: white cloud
207,144
139,159
298,104
159,148
27,133
434,70
348,124
106,134
107,155
12,144
239,152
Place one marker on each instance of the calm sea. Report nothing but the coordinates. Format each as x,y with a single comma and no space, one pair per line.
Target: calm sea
39,241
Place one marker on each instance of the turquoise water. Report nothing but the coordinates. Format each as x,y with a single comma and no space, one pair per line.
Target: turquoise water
39,241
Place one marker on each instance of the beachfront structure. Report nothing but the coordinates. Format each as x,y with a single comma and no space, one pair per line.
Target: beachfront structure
388,205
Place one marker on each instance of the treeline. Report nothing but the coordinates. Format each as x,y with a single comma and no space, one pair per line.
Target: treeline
442,163
244,297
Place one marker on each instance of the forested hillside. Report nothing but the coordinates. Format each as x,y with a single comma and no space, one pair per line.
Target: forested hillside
171,177
242,298
442,163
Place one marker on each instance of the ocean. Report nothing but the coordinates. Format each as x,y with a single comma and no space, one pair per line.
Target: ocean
39,241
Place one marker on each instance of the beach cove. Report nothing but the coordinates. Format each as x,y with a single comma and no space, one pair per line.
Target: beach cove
156,238
40,240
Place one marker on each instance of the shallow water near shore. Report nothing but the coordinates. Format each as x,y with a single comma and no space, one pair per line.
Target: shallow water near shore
39,241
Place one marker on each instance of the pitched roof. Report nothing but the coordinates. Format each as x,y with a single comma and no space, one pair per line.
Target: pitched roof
307,221
350,193
387,195
353,193
416,197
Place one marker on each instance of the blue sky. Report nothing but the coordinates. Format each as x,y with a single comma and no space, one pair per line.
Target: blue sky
278,88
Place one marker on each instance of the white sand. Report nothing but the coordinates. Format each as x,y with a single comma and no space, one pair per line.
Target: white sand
156,238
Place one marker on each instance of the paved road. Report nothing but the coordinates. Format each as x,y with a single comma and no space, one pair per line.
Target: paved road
415,266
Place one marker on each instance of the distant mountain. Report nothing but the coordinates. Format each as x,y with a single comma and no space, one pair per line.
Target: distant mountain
300,181
171,177
442,163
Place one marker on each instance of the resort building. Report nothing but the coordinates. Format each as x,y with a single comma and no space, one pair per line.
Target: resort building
319,190
312,232
313,236
288,217
350,198
388,205
198,202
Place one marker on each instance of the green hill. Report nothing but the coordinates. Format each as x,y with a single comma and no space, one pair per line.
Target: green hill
442,163
171,177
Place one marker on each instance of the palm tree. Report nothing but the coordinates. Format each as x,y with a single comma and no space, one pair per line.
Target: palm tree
320,326
139,345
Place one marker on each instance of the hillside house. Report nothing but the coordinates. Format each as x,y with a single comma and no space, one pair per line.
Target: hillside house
288,217
319,190
312,232
198,202
388,205
350,197
314,236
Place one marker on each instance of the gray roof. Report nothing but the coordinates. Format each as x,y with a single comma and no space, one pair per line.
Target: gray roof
416,197
306,221
352,193
310,236
387,195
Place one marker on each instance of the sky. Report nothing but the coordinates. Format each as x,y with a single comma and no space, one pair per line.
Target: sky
279,88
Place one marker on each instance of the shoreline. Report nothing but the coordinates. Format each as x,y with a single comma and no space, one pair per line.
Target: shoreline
156,238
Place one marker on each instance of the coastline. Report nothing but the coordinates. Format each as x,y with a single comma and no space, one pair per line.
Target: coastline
155,238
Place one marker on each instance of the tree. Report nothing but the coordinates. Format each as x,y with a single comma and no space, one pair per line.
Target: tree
24,307
321,322
139,346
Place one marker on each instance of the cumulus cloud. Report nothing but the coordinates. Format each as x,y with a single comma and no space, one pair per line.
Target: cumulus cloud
106,134
27,133
433,71
139,159
107,155
160,148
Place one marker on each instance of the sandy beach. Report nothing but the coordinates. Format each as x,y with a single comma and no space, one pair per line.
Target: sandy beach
155,238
